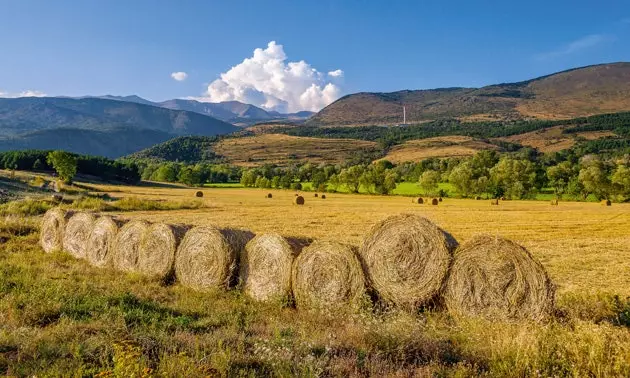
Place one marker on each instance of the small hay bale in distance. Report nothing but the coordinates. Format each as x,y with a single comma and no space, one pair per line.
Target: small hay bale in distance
315,195
440,199
327,275
502,198
406,259
299,200
77,234
52,229
477,198
265,267
434,202
554,202
127,245
497,278
269,195
199,194
323,196
606,202
418,200
156,255
207,256
100,245
494,201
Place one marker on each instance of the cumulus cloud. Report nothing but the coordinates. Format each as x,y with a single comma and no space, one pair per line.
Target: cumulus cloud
27,93
179,76
267,80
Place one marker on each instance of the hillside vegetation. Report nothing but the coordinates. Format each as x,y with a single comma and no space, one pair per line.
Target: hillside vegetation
579,92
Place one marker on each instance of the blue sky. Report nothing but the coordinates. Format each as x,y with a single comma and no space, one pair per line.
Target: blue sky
120,47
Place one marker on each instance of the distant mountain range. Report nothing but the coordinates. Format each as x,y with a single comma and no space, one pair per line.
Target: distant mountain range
97,126
592,90
234,112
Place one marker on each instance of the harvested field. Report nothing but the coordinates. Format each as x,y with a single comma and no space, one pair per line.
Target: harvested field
448,146
552,139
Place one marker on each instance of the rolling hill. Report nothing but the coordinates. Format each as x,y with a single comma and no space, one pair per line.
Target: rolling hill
96,126
580,92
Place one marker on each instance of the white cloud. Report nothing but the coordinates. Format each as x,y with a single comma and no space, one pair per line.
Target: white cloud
577,46
268,81
27,93
336,73
179,76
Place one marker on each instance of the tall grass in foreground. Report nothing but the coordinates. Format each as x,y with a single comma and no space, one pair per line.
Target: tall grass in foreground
60,316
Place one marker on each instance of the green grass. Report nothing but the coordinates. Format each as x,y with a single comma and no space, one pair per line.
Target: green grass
224,185
26,207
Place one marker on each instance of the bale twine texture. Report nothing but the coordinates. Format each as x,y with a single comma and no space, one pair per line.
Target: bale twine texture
100,245
497,278
406,259
207,257
328,275
52,229
156,255
127,245
77,234
265,267
299,200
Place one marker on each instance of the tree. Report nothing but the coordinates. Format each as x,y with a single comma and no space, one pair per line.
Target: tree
621,180
319,179
64,163
429,182
595,181
514,177
333,182
248,178
167,173
559,176
462,179
350,177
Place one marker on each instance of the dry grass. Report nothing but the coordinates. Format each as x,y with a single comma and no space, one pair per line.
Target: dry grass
448,146
284,149
552,139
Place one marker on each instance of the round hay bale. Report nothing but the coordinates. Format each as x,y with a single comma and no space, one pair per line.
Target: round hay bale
606,202
127,245
156,255
265,267
440,199
315,195
418,200
207,256
434,202
494,277
477,198
299,200
199,194
269,195
327,275
52,229
502,198
323,196
77,234
494,201
554,202
406,259
100,246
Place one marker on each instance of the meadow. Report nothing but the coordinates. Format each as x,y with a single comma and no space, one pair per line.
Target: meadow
62,317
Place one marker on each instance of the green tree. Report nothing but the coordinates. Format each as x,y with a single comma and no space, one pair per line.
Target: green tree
64,163
595,181
333,182
462,178
350,177
621,180
167,173
559,176
429,182
275,182
248,178
515,178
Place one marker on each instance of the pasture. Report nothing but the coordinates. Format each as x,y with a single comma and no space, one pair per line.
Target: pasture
60,316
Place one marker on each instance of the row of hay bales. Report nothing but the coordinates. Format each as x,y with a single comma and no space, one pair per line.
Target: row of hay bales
405,261
432,201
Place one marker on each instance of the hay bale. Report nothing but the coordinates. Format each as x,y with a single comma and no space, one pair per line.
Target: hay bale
327,275
100,245
127,245
77,234
323,196
406,259
497,278
418,200
554,202
52,229
440,199
269,195
502,198
315,195
199,194
299,200
207,257
494,201
477,198
606,202
265,267
434,202
156,255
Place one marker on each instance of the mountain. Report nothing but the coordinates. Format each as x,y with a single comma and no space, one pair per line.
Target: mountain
585,91
110,127
234,112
